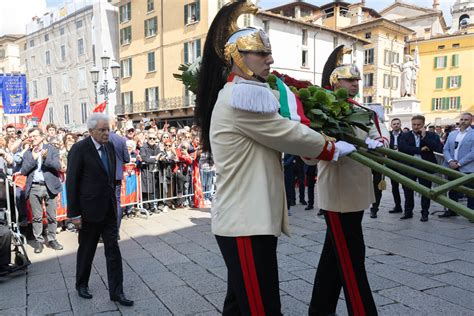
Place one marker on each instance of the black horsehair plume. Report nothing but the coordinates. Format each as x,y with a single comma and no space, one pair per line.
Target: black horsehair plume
213,70
333,61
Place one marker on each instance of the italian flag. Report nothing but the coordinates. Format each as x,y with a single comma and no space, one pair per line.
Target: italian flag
290,105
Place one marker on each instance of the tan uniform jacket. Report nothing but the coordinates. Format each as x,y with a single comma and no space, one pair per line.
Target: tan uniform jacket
346,185
246,146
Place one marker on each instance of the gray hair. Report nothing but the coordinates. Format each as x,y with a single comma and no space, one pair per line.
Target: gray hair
94,118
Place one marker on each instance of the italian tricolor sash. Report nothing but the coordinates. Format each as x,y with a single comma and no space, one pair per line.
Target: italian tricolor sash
290,105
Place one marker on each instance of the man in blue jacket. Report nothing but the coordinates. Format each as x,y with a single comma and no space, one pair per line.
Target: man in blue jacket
459,155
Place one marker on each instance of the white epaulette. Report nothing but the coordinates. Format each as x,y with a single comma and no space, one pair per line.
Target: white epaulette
254,97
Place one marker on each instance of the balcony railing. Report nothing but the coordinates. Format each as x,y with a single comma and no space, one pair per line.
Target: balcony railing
167,104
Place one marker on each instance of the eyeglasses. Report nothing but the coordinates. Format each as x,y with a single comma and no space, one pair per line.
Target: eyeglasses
166,137
152,138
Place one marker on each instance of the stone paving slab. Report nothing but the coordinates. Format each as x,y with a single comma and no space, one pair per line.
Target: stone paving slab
172,266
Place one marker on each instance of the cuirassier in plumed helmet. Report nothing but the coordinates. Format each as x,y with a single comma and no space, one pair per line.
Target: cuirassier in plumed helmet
335,69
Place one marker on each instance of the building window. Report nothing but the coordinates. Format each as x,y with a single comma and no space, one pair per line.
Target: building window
32,43
192,13
125,12
304,58
335,41
386,101
127,98
51,114
304,37
126,35
369,56
35,89
46,37
150,27
266,26
2,53
65,83
48,57
79,24
151,98
454,82
440,62
83,112
247,20
81,78
441,47
394,82
390,57
151,61
63,52
456,45
368,99
33,60
150,5
454,103
49,84
386,81
368,35
66,114
61,31
80,46
368,80
455,60
192,50
439,83
126,67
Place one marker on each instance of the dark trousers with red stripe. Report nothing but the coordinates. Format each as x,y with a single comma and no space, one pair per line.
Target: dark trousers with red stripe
252,275
342,264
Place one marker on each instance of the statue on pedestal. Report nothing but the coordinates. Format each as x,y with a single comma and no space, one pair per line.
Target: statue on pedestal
409,71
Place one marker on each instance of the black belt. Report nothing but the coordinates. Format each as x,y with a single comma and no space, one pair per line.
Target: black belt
39,182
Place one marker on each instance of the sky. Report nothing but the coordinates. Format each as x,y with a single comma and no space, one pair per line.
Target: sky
378,5
15,14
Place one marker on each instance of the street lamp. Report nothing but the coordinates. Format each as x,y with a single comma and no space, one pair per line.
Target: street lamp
104,87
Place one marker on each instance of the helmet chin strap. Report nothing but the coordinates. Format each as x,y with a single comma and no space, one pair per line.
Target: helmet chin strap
261,79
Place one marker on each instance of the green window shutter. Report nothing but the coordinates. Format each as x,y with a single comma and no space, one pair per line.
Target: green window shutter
445,61
198,48
186,57
459,81
198,10
439,83
459,102
433,100
185,14
455,60
448,82
131,66
446,103
435,62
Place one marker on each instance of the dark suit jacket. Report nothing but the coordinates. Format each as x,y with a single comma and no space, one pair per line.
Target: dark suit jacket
392,139
121,154
50,169
90,190
407,145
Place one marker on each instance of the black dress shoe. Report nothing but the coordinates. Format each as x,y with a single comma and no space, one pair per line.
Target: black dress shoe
396,210
373,214
447,214
122,300
424,218
320,212
39,247
406,216
309,207
83,292
303,202
55,245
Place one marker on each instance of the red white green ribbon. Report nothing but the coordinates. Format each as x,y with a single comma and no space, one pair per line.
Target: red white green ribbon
290,105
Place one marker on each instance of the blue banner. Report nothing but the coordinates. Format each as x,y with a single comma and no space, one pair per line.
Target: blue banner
15,95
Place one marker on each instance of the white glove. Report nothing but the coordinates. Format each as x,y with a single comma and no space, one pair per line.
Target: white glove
372,143
343,149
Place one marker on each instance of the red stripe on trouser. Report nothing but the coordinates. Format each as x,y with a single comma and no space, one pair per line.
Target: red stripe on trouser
346,264
249,274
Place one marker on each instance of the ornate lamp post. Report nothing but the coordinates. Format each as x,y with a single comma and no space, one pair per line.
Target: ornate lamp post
104,87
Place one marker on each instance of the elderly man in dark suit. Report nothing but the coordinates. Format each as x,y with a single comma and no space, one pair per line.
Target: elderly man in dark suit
41,165
92,206
420,144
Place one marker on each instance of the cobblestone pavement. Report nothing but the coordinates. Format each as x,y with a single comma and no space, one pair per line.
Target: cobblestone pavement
172,265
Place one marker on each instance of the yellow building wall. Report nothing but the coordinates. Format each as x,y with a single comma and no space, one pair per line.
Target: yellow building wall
168,41
427,90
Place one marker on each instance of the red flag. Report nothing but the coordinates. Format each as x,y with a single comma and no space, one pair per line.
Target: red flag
37,108
99,108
